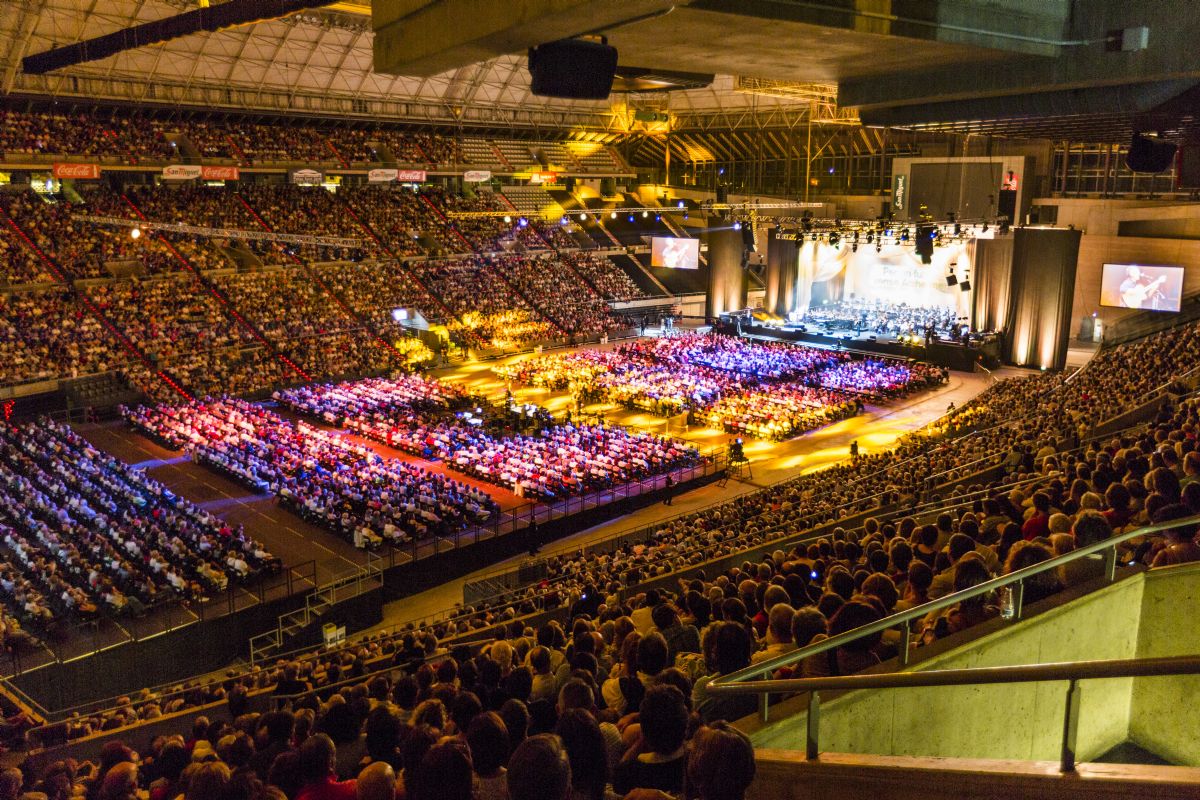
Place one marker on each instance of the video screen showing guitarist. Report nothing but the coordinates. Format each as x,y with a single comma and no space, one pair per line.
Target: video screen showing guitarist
1138,290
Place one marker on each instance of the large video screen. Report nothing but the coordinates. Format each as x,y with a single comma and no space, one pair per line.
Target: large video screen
1148,288
674,253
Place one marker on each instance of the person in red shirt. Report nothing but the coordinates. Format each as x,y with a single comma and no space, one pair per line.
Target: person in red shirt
1039,524
318,760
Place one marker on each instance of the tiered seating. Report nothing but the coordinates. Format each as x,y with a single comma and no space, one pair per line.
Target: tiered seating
533,200
608,279
564,298
486,308
375,291
517,154
324,477
557,155
309,210
207,373
59,134
399,218
593,158
168,317
303,320
479,153
45,334
82,532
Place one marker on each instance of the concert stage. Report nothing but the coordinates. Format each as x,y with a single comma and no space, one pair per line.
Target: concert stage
942,352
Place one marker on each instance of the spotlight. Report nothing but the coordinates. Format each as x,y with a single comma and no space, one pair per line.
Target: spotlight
985,227
965,285
835,239
645,214
631,217
658,217
523,222
681,204
582,217
904,235
507,219
870,236
562,221
879,248
136,233
685,215
613,215
737,226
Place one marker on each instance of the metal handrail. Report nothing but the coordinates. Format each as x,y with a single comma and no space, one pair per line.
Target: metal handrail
740,682
1072,672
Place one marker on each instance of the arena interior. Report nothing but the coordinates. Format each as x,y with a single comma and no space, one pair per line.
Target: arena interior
565,400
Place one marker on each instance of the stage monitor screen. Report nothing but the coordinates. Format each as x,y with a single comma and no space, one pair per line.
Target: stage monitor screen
674,253
1148,288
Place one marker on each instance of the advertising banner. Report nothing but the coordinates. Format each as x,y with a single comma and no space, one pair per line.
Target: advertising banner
182,172
410,175
477,175
307,177
76,171
382,175
220,173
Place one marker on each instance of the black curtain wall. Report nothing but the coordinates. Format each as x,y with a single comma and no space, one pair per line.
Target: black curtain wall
991,281
726,278
1043,288
783,268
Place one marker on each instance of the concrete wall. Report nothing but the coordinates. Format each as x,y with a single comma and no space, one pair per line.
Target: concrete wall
785,775
1016,721
1159,721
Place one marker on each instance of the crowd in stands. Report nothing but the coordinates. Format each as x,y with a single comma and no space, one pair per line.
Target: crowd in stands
486,307
84,533
344,486
47,334
570,302
881,317
609,280
400,218
129,138
168,317
524,719
241,371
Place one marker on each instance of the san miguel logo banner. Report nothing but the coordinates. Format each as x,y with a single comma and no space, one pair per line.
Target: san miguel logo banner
182,172
382,175
477,175
76,171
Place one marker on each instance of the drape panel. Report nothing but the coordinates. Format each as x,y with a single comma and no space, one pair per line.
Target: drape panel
991,279
1043,285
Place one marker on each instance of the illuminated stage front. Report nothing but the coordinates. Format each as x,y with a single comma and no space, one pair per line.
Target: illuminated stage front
893,275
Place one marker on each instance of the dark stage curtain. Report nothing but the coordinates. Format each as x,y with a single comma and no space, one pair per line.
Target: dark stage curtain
782,270
726,278
991,282
1043,286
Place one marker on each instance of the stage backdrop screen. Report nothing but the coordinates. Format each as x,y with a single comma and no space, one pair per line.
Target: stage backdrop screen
674,253
1149,288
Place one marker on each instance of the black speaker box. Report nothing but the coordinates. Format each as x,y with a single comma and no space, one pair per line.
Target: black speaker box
572,68
1149,155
